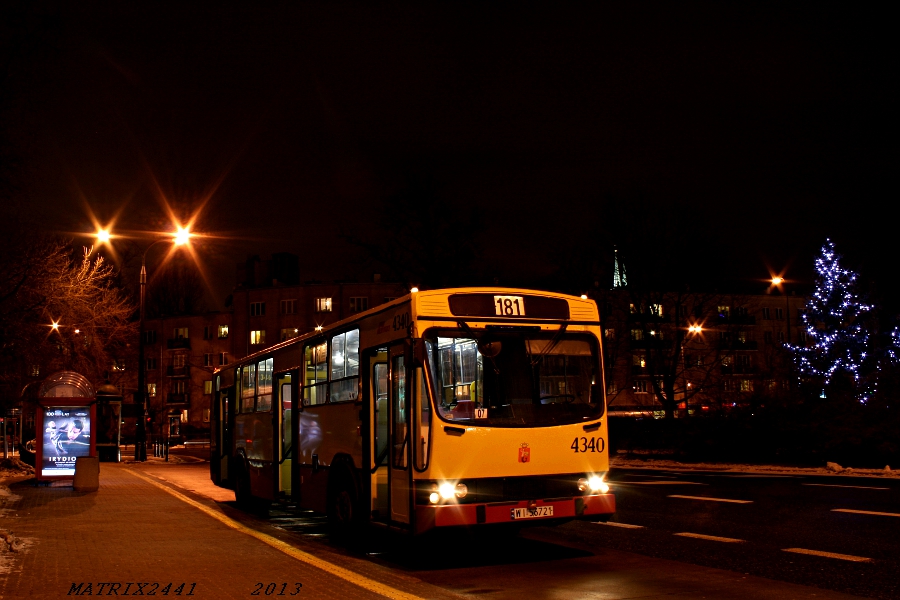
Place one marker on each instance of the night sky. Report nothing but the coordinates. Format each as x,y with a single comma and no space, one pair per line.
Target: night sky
731,138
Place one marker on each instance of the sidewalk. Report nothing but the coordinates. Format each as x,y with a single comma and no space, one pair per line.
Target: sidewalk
135,536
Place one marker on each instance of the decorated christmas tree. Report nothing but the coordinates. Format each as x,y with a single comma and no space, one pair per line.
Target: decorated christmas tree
841,343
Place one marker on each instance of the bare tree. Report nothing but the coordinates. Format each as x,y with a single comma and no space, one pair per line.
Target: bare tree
59,312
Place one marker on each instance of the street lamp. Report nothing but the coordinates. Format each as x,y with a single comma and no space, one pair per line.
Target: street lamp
777,281
181,237
140,446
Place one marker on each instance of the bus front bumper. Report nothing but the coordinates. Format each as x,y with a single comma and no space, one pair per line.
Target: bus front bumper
522,512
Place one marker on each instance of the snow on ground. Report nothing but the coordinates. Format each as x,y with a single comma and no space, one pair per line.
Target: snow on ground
623,462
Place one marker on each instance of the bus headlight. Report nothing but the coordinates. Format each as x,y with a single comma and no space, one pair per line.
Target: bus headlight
447,490
593,484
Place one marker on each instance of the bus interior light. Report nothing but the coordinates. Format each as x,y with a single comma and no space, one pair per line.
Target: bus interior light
434,497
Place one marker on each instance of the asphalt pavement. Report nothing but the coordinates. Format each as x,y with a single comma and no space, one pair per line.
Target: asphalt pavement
162,528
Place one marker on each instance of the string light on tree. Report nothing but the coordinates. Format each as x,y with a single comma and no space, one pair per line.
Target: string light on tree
840,331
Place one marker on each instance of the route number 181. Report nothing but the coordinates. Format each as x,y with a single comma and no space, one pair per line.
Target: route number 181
509,306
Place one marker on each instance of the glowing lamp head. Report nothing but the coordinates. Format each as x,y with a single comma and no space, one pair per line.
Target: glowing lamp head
182,236
103,236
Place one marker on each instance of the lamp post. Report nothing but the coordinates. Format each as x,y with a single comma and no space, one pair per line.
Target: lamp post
181,237
140,445
777,281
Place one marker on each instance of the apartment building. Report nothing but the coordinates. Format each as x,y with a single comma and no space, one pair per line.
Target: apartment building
707,352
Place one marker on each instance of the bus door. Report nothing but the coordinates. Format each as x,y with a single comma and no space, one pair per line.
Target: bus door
285,393
378,433
224,425
399,471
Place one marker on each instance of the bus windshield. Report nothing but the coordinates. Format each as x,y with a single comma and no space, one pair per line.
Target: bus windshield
525,378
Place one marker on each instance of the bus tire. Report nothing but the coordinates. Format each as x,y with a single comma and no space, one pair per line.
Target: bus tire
343,504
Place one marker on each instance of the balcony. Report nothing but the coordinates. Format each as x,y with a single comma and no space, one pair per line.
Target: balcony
178,344
651,343
738,345
723,319
738,369
176,399
184,371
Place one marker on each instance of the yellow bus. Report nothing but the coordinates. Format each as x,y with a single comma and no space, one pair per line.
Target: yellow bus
443,408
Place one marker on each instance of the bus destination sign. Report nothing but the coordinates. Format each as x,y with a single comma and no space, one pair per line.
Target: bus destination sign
512,307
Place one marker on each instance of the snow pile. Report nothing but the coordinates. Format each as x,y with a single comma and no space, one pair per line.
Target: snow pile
13,467
829,469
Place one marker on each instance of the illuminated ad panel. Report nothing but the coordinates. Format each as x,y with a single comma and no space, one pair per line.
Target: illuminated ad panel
67,435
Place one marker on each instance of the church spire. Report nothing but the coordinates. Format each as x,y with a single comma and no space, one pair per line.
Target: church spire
619,279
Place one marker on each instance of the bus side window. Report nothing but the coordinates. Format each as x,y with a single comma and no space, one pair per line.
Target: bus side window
423,408
380,383
400,434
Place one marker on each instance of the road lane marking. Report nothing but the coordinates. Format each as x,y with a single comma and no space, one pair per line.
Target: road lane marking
858,487
714,538
324,565
865,512
712,499
625,525
828,554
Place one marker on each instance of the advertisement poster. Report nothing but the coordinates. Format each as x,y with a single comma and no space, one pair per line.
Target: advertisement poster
67,435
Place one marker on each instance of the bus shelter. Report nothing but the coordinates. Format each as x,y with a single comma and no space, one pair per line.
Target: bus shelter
66,412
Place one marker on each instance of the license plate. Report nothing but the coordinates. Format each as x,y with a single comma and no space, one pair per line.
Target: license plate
533,513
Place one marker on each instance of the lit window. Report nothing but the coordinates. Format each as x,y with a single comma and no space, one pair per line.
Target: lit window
639,360
656,310
609,334
181,333
257,309
323,304
358,303
257,336
223,332
151,389
207,387
35,370
206,415
746,385
289,333
724,312
289,307
637,334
